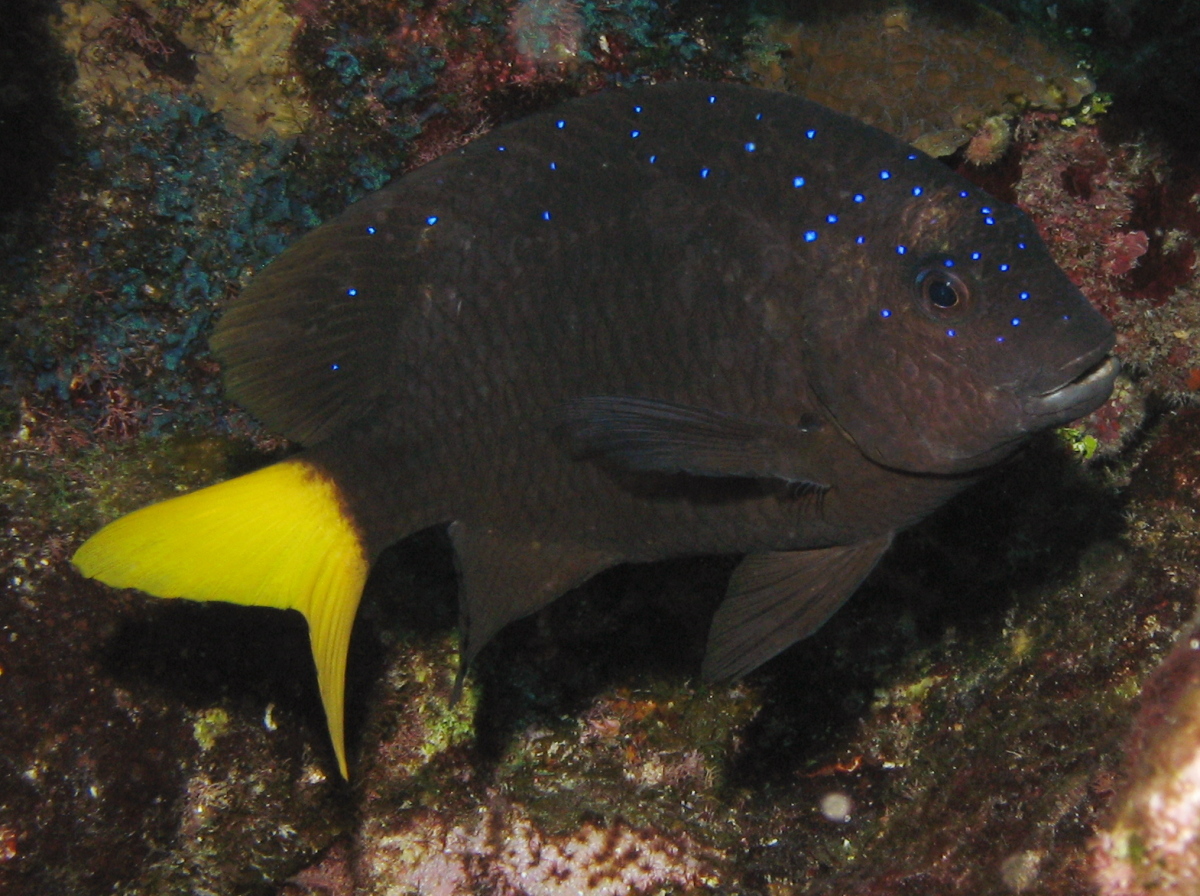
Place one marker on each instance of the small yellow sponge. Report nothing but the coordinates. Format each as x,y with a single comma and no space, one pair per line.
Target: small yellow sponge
278,537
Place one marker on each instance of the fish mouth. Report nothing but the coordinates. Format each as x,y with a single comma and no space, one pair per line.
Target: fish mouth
1077,397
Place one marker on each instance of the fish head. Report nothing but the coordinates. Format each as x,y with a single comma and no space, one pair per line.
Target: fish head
947,337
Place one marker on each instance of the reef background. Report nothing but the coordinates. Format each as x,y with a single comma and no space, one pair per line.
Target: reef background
1010,705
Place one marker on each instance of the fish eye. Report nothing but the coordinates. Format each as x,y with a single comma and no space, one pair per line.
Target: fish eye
941,288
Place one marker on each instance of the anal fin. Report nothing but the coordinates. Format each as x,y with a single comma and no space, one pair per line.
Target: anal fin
502,577
776,599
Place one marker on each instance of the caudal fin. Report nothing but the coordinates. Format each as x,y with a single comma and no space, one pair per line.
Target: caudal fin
278,537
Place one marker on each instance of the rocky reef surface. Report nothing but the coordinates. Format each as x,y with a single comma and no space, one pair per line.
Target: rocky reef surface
1009,705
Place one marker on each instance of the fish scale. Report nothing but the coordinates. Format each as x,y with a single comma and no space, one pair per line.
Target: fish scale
682,319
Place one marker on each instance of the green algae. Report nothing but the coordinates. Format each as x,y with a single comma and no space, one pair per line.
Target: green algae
1083,444
423,717
210,725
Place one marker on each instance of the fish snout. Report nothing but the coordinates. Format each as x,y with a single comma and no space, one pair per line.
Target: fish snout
1081,394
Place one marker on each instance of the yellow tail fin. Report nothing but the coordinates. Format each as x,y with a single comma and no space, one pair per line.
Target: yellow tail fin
278,537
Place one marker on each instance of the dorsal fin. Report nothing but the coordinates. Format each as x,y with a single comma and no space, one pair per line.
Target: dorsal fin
306,346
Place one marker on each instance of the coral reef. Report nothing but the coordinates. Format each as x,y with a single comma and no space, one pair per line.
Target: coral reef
1150,843
213,134
957,729
234,59
1153,843
505,853
1145,51
547,32
129,754
243,69
935,82
158,749
1124,224
442,817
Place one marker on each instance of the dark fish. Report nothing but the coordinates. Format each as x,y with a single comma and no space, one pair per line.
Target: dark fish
682,319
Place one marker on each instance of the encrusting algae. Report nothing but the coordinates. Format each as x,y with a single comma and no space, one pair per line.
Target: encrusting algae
235,58
934,83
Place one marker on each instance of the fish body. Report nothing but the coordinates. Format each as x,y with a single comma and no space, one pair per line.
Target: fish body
683,319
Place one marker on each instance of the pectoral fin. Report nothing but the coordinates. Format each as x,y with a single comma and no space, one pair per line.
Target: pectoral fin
776,599
647,435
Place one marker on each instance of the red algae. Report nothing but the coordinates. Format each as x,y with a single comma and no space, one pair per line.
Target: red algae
1079,190
1122,221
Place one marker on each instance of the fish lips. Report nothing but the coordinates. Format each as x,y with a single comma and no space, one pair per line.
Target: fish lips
1088,384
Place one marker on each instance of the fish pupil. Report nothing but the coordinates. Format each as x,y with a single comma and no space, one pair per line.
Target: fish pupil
941,288
942,294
